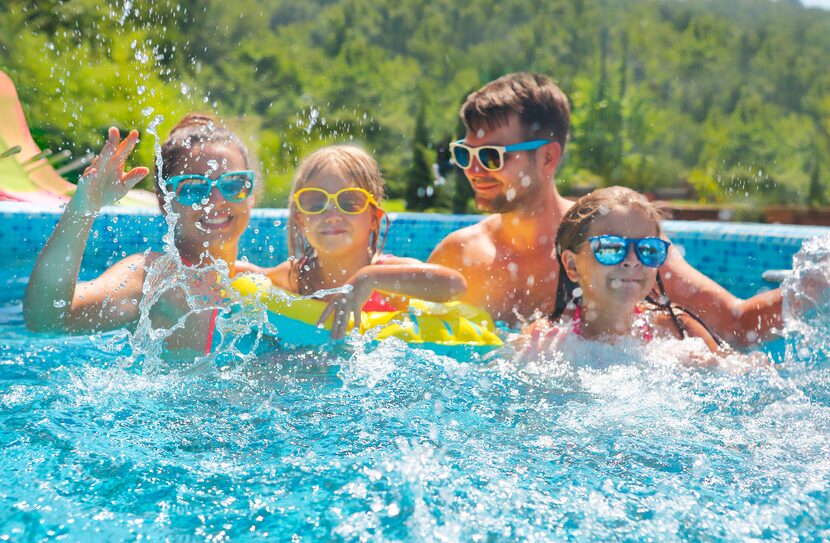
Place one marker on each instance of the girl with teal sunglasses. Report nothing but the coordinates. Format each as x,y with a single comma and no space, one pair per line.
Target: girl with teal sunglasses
207,182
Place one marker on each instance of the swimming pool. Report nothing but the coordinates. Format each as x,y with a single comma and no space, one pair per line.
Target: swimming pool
395,444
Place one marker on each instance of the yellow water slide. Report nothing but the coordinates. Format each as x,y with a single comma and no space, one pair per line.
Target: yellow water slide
23,179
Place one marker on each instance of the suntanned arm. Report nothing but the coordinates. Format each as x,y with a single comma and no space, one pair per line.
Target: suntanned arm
54,300
405,277
415,279
740,322
450,253
280,276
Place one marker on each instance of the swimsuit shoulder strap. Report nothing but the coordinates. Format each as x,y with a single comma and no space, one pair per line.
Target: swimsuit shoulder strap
673,309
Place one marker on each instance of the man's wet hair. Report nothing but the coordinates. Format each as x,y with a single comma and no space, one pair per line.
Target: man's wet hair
541,105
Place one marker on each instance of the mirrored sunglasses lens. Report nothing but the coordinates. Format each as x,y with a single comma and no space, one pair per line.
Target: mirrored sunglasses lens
192,190
352,201
490,158
652,252
609,251
461,156
312,201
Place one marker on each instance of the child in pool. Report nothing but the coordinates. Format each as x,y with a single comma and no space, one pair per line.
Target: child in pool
335,240
207,169
609,248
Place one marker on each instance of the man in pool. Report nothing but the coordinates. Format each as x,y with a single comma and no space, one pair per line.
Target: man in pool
516,130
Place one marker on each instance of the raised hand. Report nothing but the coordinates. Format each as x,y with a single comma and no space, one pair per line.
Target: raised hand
105,182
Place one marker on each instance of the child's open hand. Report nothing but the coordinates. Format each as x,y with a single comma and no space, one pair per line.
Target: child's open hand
343,307
537,339
105,182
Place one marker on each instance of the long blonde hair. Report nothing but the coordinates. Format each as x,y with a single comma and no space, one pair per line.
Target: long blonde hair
353,165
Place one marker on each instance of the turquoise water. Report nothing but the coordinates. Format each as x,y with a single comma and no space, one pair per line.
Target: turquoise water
395,444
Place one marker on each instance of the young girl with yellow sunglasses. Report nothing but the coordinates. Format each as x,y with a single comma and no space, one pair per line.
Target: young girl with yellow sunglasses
335,240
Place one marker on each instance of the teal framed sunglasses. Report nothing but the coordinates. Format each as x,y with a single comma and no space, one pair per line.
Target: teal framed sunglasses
192,188
491,157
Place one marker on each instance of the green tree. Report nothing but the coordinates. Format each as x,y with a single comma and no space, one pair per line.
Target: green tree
420,188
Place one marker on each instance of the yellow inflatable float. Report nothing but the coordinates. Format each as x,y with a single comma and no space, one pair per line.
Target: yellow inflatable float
455,328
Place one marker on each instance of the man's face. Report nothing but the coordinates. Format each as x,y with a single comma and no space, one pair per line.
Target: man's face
517,185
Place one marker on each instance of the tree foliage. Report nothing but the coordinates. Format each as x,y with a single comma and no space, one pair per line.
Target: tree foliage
730,96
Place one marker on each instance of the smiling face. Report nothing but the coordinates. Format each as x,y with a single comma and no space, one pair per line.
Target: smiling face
216,220
520,181
332,232
626,283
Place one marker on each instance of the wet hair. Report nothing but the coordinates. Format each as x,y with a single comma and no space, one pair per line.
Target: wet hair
573,231
541,105
195,129
355,166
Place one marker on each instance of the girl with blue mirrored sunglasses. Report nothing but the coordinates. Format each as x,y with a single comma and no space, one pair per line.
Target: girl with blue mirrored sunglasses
602,292
611,250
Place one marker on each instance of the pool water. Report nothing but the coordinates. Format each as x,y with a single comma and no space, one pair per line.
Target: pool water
390,443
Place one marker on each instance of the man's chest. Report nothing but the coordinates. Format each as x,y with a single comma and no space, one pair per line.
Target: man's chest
510,286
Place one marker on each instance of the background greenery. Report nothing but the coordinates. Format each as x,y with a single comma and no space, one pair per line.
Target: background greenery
730,96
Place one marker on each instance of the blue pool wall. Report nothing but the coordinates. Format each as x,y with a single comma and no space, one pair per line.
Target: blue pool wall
733,254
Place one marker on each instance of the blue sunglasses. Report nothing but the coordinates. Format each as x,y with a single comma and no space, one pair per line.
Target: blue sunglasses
611,250
193,188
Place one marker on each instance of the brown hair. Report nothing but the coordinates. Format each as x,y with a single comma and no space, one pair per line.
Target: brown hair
195,129
353,165
541,105
573,230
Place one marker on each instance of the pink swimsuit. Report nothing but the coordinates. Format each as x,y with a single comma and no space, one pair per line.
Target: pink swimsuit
377,301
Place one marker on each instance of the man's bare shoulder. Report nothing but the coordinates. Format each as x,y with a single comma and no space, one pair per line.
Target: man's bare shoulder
470,241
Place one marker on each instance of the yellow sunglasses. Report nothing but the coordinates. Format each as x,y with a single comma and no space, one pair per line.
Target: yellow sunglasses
351,200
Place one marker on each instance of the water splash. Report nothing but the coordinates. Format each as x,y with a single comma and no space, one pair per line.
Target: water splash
806,311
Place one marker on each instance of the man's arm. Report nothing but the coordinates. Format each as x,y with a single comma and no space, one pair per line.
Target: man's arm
742,322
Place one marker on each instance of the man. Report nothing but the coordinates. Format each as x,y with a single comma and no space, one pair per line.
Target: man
522,121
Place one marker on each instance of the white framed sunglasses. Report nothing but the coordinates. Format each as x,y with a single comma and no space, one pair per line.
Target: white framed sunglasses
491,157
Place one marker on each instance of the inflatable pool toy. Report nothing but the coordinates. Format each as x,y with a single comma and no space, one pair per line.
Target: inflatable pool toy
455,329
